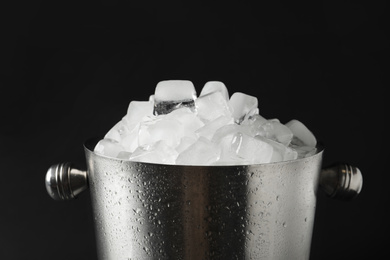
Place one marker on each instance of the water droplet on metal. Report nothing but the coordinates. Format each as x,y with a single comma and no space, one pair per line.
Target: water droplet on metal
137,210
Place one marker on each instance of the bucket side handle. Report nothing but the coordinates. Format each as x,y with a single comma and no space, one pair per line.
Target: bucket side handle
65,182
341,181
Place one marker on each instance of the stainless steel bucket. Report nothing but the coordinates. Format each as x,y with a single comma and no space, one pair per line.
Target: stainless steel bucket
154,211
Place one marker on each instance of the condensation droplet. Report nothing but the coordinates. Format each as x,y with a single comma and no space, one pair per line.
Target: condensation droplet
137,210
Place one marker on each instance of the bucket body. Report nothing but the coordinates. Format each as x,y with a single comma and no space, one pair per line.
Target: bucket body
154,211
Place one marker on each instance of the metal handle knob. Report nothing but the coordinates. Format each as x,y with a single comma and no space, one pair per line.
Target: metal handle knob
64,182
341,181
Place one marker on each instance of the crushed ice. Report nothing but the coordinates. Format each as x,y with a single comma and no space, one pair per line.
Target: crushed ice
176,127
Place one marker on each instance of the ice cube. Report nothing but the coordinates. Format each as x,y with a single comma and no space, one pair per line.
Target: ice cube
209,129
223,138
242,105
215,86
108,147
252,150
124,155
159,152
185,142
281,152
130,140
157,129
127,138
302,133
212,106
188,120
173,94
274,130
202,152
136,111
170,128
254,122
229,130
302,150
117,132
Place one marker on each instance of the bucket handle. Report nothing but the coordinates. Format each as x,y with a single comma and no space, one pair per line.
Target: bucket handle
65,182
340,181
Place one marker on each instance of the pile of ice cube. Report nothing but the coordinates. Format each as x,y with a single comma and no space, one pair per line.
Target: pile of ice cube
177,127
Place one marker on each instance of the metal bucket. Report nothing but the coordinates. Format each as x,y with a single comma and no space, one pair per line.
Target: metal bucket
154,211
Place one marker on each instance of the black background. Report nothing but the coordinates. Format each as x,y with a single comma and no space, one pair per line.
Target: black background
69,70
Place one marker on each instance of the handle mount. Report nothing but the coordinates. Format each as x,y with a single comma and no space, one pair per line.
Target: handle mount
341,181
64,181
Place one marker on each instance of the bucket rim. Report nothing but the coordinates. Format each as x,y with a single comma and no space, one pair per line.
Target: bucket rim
90,144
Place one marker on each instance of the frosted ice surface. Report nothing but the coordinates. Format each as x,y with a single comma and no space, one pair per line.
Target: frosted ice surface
157,129
126,131
274,130
214,86
124,155
108,147
176,127
173,94
302,150
254,122
212,106
117,132
302,133
229,130
159,152
242,105
223,138
136,111
202,152
281,152
185,142
128,138
251,149
209,129
170,128
188,120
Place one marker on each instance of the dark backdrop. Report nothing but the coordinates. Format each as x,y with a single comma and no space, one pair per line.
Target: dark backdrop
69,70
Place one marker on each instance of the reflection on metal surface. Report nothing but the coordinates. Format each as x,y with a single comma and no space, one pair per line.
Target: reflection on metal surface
154,211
